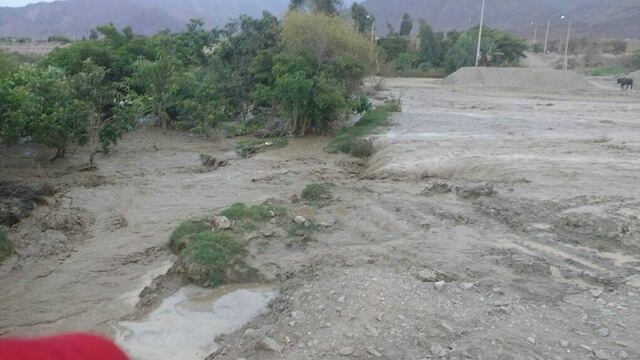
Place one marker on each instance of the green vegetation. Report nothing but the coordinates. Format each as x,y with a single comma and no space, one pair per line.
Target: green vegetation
439,54
391,105
5,245
608,71
210,256
185,231
318,194
369,124
306,69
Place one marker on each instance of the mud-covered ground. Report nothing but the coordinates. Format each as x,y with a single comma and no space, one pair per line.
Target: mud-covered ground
488,226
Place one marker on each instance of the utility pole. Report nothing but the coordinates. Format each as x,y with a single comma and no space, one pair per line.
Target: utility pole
566,48
535,34
546,37
480,34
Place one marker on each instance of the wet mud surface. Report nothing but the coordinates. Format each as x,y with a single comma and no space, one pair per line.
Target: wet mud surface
488,226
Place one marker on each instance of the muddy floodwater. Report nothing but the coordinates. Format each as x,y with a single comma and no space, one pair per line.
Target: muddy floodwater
185,325
490,224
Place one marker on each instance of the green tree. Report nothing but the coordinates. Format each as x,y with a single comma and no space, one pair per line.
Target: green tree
461,53
47,110
324,38
309,97
431,51
102,106
363,20
330,7
391,47
406,26
157,83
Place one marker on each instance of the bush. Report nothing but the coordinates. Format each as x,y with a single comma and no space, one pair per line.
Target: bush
5,245
213,259
370,123
392,105
180,235
318,194
324,38
362,148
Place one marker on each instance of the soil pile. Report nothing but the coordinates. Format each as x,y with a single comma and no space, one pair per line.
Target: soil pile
635,76
529,79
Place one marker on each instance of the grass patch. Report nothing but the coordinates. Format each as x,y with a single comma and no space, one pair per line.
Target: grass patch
370,124
248,147
5,245
318,194
210,256
178,239
608,71
391,105
247,217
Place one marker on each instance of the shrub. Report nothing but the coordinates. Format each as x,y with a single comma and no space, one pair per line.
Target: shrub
324,38
5,245
242,212
318,194
180,235
213,258
362,148
369,124
392,105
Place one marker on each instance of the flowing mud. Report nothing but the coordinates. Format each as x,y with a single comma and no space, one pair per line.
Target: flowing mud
489,225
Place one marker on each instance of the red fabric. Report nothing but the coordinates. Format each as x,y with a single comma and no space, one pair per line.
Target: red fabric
64,347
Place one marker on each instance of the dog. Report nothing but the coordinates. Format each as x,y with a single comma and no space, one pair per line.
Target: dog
625,83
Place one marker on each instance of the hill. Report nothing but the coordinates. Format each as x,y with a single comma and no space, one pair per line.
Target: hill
74,18
613,19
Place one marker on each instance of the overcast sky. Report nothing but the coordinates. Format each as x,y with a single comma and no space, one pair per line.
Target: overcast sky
20,2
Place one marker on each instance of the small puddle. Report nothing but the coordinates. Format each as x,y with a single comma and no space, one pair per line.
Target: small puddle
185,325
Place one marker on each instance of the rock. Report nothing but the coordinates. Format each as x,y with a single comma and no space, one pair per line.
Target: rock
300,219
374,352
372,331
603,331
602,355
292,323
268,344
342,299
475,191
596,292
251,333
564,343
436,188
439,285
427,276
434,276
586,347
531,339
466,285
634,281
437,350
600,301
221,223
346,351
623,354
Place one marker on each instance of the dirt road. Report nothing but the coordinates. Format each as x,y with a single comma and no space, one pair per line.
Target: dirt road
488,226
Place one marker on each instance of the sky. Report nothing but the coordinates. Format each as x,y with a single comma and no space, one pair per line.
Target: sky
20,2
25,2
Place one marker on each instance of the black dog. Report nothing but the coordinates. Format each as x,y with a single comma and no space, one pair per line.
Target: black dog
625,83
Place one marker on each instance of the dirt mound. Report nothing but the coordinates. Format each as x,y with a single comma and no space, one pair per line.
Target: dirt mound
635,76
528,79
